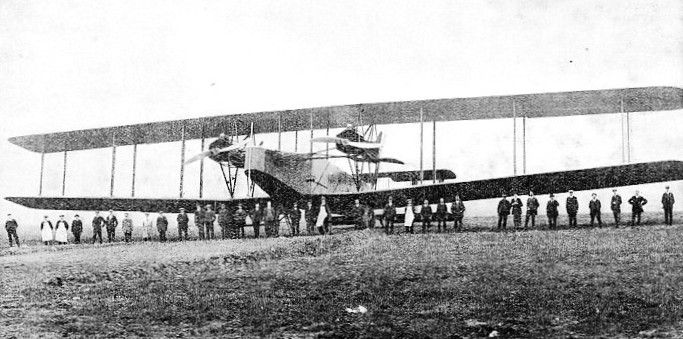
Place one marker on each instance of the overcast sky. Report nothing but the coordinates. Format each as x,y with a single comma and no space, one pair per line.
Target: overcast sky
68,65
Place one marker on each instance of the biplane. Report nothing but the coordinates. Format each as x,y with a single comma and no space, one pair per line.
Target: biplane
298,176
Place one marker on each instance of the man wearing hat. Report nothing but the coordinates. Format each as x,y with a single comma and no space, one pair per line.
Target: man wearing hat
504,207
637,202
183,221
668,205
127,227
112,223
97,223
572,208
77,229
162,226
594,208
552,211
11,228
616,207
209,218
531,210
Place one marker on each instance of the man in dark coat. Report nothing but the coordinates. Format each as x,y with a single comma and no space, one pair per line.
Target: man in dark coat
183,221
458,210
668,205
441,214
309,215
224,219
426,216
256,215
572,208
594,207
389,216
615,206
97,223
552,211
271,220
112,223
637,202
162,226
77,229
504,207
11,228
357,213
239,219
532,206
209,219
516,204
199,221
295,219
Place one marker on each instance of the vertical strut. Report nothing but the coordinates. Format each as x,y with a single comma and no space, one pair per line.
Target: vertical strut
422,175
182,159
279,131
42,166
434,152
113,162
135,159
64,172
514,139
524,144
311,115
296,140
201,167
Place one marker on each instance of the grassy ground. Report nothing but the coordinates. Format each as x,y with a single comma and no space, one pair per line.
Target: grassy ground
585,282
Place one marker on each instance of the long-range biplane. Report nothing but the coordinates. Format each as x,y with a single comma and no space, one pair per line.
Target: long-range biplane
299,176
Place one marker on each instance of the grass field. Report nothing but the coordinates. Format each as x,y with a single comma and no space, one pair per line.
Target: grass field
585,282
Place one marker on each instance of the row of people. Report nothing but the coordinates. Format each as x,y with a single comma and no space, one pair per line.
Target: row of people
515,206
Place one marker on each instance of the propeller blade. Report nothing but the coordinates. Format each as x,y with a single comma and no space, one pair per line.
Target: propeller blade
364,145
198,157
391,160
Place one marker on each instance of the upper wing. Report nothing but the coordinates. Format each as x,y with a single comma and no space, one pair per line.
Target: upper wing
491,107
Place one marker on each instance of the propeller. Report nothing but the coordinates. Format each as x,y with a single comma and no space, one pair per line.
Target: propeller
347,142
198,157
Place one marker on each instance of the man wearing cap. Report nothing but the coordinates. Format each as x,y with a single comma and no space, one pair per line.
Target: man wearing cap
637,202
295,218
572,208
532,206
209,219
516,204
390,216
594,206
11,228
77,229
112,223
127,227
224,219
97,223
668,205
552,211
199,221
183,221
239,221
615,206
162,226
441,214
256,215
504,207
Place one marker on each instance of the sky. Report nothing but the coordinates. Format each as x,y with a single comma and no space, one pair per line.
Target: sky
77,64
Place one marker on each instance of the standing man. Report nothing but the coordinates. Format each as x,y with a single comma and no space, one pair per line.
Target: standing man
256,215
516,204
224,219
77,229
357,212
270,220
112,223
594,207
532,206
572,208
616,207
504,207
637,202
239,219
127,226
552,211
199,221
295,218
183,224
389,216
11,228
162,226
668,205
426,216
97,223
458,209
441,214
209,219
309,214
147,228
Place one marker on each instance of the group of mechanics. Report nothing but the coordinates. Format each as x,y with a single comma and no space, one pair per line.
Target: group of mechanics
233,222
515,206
